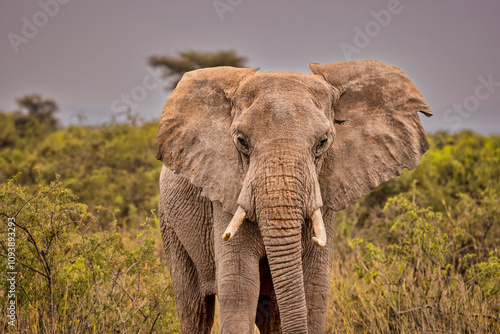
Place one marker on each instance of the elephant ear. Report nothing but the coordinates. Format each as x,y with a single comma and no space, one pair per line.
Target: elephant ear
194,137
378,130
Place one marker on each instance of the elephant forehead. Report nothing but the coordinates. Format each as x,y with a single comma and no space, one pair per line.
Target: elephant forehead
292,87
274,116
274,105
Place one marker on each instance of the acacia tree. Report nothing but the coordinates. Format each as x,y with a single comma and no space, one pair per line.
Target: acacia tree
174,67
40,108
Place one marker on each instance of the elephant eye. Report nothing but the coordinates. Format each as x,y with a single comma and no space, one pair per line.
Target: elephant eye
242,142
242,145
322,144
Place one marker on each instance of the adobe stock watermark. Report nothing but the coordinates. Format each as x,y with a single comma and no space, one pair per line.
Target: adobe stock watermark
223,6
11,272
139,93
30,28
461,111
373,28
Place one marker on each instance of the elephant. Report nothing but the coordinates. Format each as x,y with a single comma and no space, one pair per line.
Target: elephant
255,165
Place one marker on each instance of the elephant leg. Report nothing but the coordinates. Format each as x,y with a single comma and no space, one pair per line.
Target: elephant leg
237,275
195,309
186,227
317,264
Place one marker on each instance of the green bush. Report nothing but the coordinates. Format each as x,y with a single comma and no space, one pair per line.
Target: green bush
73,277
420,252
111,165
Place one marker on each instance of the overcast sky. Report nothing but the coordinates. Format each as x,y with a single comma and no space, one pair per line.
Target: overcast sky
88,54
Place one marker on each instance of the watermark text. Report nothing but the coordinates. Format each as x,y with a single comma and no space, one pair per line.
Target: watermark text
460,111
373,28
223,6
139,93
11,271
30,28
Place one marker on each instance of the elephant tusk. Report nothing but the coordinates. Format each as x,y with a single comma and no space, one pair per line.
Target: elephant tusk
319,229
235,224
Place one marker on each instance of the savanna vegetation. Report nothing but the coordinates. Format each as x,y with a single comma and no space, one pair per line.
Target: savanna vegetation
420,253
417,254
87,245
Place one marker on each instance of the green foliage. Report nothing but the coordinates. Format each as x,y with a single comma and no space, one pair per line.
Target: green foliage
427,259
72,279
19,132
112,165
487,275
175,67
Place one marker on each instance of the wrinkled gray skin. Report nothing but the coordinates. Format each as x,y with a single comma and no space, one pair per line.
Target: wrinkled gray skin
280,145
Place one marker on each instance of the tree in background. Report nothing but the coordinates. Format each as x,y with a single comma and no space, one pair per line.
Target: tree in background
27,126
40,108
174,67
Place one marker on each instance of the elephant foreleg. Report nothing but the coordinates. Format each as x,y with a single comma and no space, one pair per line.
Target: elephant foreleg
195,309
317,263
237,275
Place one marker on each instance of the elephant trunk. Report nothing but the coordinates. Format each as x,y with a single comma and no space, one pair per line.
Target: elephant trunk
284,254
283,199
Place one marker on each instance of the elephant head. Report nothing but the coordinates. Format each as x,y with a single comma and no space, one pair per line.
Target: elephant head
277,148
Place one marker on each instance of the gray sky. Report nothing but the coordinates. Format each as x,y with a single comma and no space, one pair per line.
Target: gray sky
88,54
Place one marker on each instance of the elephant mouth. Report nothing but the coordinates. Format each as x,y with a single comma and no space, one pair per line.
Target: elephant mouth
319,237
